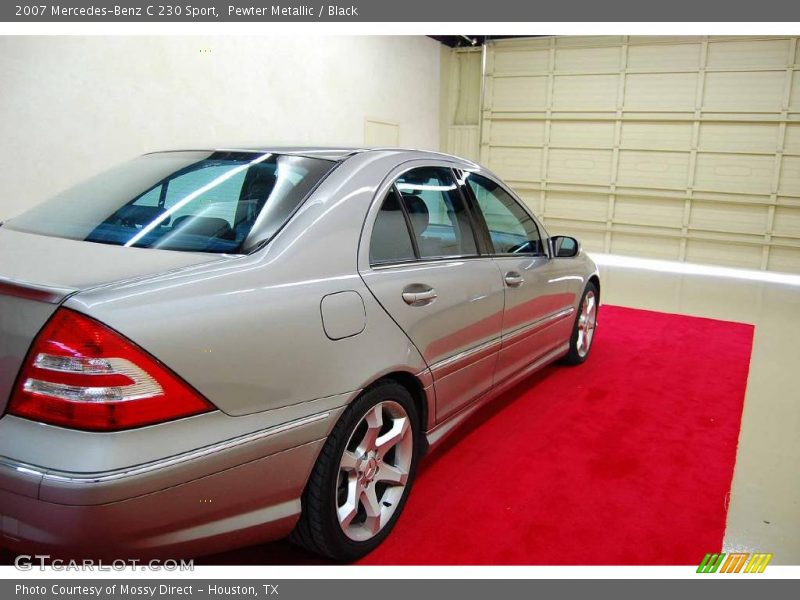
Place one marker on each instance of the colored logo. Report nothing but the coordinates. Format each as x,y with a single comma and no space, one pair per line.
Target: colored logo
737,562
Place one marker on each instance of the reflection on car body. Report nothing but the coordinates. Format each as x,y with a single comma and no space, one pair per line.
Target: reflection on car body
207,349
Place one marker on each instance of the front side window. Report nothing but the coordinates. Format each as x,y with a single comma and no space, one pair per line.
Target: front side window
225,202
438,215
511,229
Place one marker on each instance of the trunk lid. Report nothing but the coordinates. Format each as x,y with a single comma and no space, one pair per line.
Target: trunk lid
37,273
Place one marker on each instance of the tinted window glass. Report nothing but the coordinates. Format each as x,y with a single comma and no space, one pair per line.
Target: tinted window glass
510,227
218,201
437,213
391,241
191,201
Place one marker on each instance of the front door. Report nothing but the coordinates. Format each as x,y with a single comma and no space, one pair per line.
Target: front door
538,312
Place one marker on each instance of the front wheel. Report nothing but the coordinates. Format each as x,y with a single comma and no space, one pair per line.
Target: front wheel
580,342
363,475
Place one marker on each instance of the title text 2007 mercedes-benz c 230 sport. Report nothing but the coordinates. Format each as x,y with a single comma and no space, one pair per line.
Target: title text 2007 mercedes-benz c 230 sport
208,349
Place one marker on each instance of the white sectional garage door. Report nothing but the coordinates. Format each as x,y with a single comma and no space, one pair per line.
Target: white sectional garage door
676,148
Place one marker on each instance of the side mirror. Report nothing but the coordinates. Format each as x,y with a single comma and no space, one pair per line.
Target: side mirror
564,246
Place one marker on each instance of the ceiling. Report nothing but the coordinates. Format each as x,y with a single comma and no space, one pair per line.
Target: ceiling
465,41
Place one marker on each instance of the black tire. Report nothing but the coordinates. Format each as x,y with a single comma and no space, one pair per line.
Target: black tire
575,356
318,529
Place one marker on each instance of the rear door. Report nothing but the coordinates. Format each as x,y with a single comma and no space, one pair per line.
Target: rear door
427,272
537,317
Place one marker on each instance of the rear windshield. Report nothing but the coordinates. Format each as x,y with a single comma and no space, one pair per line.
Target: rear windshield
224,202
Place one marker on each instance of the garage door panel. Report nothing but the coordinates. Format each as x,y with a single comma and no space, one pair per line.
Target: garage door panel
787,221
516,132
789,201
590,237
581,134
518,164
790,176
664,57
587,60
648,246
749,91
679,147
580,166
748,54
519,93
794,99
656,136
591,241
595,41
532,199
729,198
581,207
662,91
784,259
655,211
523,61
653,169
734,172
724,253
585,91
739,137
719,216
792,141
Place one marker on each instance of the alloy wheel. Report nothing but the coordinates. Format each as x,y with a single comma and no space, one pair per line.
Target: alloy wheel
587,321
374,470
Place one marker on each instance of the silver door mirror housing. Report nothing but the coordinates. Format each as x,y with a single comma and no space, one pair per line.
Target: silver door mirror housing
564,246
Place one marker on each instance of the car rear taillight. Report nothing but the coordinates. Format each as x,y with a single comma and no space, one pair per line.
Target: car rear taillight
82,375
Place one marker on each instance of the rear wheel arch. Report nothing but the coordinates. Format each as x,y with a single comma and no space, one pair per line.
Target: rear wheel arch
596,281
414,386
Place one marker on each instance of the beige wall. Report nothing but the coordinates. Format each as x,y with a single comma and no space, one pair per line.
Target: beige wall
73,106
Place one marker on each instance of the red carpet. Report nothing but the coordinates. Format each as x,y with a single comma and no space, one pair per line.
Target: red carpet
625,460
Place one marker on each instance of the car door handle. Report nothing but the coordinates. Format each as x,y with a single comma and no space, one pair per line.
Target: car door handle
513,279
418,294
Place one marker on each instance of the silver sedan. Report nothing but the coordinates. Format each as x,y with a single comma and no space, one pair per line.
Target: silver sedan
208,349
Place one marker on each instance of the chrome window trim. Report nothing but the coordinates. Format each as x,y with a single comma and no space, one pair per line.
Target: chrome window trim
544,235
425,261
363,263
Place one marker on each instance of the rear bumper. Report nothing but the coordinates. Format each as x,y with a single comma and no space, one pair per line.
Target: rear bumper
244,491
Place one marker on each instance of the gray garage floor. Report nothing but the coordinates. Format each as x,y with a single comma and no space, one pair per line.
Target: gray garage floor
764,513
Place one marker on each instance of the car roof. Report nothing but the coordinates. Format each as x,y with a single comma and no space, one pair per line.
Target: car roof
332,153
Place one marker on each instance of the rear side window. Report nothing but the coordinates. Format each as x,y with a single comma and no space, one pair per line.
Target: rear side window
511,229
224,202
438,215
391,241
